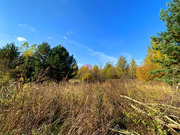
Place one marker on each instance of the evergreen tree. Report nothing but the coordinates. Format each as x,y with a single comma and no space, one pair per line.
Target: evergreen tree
41,62
10,54
41,67
169,43
62,65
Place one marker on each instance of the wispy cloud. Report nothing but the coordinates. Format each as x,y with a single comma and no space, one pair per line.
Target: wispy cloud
27,26
70,32
102,56
23,25
32,29
128,56
65,37
51,37
21,39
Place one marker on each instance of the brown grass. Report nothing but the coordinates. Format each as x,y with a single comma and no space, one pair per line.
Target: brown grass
93,108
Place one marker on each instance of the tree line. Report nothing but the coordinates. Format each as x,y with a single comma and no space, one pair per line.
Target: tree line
36,63
122,70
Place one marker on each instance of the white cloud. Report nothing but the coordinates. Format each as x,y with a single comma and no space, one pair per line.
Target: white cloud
102,56
27,26
21,39
65,37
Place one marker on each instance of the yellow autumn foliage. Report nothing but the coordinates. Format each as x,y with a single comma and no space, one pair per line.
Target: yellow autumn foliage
143,71
87,77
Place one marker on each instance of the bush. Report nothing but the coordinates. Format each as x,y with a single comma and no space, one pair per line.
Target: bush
87,77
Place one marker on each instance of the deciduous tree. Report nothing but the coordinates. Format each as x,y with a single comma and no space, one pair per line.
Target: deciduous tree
132,69
144,72
122,67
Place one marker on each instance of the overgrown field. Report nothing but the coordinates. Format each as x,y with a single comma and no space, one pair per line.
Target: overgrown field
111,107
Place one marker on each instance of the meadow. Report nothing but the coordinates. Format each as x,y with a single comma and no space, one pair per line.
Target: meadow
112,107
57,88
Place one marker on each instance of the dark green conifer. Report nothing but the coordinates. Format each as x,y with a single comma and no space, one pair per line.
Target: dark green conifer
169,43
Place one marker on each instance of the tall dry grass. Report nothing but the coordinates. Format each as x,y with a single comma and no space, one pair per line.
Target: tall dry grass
84,108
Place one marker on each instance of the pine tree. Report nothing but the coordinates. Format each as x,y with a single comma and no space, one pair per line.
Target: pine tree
41,63
61,64
169,43
10,54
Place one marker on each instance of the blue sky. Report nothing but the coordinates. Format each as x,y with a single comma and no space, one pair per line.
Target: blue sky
94,31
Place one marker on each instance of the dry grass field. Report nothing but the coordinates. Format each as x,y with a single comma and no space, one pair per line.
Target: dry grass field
111,107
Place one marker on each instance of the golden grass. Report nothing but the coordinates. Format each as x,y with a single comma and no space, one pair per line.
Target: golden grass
84,108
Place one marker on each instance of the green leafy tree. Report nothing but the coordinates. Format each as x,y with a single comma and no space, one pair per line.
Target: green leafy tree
122,67
26,63
111,73
108,65
169,43
132,69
